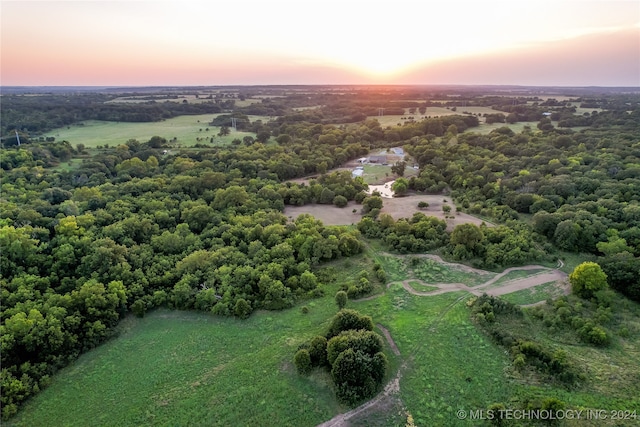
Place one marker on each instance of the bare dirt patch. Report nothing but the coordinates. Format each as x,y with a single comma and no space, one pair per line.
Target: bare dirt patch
328,214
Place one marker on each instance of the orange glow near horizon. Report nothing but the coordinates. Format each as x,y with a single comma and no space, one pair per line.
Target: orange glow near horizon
330,42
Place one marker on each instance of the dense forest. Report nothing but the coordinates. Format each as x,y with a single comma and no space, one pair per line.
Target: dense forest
132,228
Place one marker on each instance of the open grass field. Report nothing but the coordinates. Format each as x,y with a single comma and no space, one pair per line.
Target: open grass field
378,174
515,127
186,368
186,129
449,365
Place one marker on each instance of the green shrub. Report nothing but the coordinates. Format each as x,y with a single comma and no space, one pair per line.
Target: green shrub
318,351
302,360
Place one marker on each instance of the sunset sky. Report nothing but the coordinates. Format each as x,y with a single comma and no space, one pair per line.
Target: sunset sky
252,42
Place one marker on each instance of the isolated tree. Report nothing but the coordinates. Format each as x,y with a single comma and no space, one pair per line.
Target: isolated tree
242,308
157,142
341,299
224,131
263,136
399,167
587,279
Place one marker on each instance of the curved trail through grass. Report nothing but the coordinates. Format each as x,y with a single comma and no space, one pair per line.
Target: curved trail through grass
393,387
548,275
545,276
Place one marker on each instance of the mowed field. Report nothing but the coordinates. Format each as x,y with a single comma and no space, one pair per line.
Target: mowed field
187,130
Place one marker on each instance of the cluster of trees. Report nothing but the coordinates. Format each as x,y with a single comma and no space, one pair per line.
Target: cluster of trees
583,188
362,284
419,233
491,247
200,230
351,351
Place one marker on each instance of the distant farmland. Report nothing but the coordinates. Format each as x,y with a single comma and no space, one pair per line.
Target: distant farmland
187,130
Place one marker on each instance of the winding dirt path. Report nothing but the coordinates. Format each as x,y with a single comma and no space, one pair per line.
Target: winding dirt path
392,343
546,276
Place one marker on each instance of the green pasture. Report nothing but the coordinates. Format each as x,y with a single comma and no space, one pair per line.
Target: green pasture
187,368
449,364
377,174
186,129
515,127
184,368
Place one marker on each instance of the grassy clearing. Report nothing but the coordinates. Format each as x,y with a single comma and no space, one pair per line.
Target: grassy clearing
186,129
395,267
449,364
572,260
515,127
70,165
534,294
177,368
431,271
611,376
376,174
